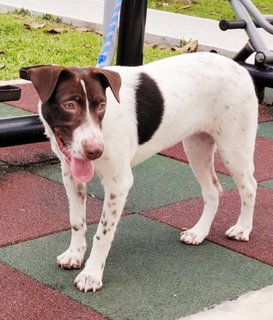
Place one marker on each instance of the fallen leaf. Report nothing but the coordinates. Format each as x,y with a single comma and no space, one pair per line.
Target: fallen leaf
34,26
55,31
152,45
187,7
2,66
188,48
83,30
99,32
191,46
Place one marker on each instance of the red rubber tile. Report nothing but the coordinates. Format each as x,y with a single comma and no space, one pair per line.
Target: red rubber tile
25,154
32,207
262,158
24,298
29,98
185,214
265,113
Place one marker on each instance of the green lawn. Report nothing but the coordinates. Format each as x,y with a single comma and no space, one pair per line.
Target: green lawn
20,46
23,47
213,9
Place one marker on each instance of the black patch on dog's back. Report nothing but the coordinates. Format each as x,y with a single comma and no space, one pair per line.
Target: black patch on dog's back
149,107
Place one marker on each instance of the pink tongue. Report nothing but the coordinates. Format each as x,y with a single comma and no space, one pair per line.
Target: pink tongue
82,170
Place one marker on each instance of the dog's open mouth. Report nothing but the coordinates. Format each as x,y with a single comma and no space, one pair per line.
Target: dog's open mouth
81,170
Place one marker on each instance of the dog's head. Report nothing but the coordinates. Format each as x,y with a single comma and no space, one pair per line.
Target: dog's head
73,104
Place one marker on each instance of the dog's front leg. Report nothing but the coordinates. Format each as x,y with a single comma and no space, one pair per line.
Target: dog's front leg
116,191
73,257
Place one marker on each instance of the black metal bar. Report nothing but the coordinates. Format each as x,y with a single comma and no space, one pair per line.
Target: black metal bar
9,93
232,24
21,130
244,53
226,24
262,77
131,32
23,72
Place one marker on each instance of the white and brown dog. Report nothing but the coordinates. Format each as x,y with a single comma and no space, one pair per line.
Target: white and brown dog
203,100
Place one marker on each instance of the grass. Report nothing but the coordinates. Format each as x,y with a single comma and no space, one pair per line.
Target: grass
213,9
23,47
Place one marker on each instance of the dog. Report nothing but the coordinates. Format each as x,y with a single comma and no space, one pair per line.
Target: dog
111,119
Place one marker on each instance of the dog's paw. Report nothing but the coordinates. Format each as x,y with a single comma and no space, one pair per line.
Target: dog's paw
71,259
86,281
238,232
192,236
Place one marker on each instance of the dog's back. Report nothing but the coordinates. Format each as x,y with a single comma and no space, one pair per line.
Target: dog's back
165,101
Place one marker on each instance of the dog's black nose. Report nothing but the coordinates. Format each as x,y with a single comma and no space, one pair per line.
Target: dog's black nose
92,152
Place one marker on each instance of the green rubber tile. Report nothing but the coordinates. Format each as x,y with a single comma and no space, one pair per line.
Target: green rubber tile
266,130
158,181
8,111
267,184
150,274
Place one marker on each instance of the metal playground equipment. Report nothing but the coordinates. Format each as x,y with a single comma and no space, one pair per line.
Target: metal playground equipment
250,19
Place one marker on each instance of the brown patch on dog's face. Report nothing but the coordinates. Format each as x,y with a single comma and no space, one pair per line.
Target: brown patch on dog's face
67,107
73,100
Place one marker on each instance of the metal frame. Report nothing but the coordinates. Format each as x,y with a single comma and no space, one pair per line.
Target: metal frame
249,19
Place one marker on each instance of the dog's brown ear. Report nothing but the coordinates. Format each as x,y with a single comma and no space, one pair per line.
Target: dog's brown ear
45,79
111,79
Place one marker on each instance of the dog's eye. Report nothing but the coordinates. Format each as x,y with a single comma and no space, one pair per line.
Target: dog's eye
69,105
101,107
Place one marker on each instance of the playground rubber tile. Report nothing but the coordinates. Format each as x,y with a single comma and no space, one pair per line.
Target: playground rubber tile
267,184
29,98
186,214
7,111
266,130
24,298
262,158
32,207
265,113
149,273
26,154
158,181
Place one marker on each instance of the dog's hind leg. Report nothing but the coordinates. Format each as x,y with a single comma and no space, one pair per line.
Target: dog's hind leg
200,152
241,167
117,184
73,257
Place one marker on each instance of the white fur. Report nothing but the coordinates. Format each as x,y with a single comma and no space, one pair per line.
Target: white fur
209,100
